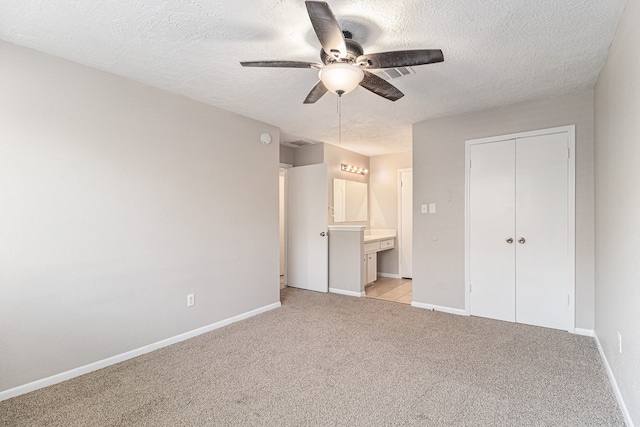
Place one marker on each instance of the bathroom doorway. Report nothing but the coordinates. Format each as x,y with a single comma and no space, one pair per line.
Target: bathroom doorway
283,223
405,223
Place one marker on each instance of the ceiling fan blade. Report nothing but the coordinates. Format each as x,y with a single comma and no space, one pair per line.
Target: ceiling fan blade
316,93
327,29
400,58
281,64
381,87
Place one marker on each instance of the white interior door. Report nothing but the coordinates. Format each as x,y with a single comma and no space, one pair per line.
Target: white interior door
406,223
491,230
542,227
308,247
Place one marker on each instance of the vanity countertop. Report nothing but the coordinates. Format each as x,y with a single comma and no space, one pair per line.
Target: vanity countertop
378,234
346,228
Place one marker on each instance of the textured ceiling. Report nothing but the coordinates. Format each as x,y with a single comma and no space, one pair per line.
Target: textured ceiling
496,52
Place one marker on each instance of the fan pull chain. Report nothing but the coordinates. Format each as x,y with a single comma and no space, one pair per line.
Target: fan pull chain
339,118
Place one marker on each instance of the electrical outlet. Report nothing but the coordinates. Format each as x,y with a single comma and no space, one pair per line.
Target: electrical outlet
619,343
191,299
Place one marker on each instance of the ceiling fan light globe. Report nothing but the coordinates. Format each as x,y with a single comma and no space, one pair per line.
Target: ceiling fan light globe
340,77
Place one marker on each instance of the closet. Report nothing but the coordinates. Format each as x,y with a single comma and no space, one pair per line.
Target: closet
520,228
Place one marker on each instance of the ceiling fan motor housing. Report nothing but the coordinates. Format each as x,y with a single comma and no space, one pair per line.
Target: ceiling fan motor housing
354,50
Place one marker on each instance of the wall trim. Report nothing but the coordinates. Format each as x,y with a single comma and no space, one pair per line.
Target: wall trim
389,275
348,293
456,311
614,384
76,372
584,332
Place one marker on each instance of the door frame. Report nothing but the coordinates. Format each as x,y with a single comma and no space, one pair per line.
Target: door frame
284,167
399,234
571,208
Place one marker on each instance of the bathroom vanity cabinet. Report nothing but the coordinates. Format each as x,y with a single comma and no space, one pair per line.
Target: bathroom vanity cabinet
380,240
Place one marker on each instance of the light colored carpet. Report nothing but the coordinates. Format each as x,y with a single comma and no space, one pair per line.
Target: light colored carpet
333,360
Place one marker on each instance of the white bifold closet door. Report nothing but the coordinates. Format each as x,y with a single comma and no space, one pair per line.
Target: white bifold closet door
492,260
518,230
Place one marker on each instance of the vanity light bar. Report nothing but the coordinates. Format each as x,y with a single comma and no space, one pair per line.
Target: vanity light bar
353,169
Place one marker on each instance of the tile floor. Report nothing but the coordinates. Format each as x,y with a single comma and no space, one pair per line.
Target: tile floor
398,290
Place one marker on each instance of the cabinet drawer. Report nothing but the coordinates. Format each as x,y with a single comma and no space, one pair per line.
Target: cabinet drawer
371,246
386,244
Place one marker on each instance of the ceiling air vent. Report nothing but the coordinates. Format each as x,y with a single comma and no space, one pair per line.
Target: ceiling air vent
395,73
298,143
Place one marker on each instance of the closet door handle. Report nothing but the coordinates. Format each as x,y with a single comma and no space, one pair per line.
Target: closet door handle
509,240
323,233
521,240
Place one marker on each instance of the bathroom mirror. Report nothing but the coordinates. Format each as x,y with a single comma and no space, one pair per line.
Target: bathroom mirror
349,200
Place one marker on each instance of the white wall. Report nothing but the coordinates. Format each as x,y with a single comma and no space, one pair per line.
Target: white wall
287,155
617,209
308,155
383,180
438,177
116,201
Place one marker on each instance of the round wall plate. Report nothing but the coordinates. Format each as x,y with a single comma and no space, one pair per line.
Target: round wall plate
265,138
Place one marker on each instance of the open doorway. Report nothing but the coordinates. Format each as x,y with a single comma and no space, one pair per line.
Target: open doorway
283,223
405,223
394,282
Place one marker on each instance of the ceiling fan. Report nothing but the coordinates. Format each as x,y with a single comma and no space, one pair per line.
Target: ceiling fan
344,64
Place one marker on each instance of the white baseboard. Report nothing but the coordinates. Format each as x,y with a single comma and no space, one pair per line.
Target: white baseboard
349,293
58,378
449,310
389,275
614,384
585,332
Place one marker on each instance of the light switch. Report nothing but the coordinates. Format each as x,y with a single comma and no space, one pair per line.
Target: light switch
424,209
432,208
